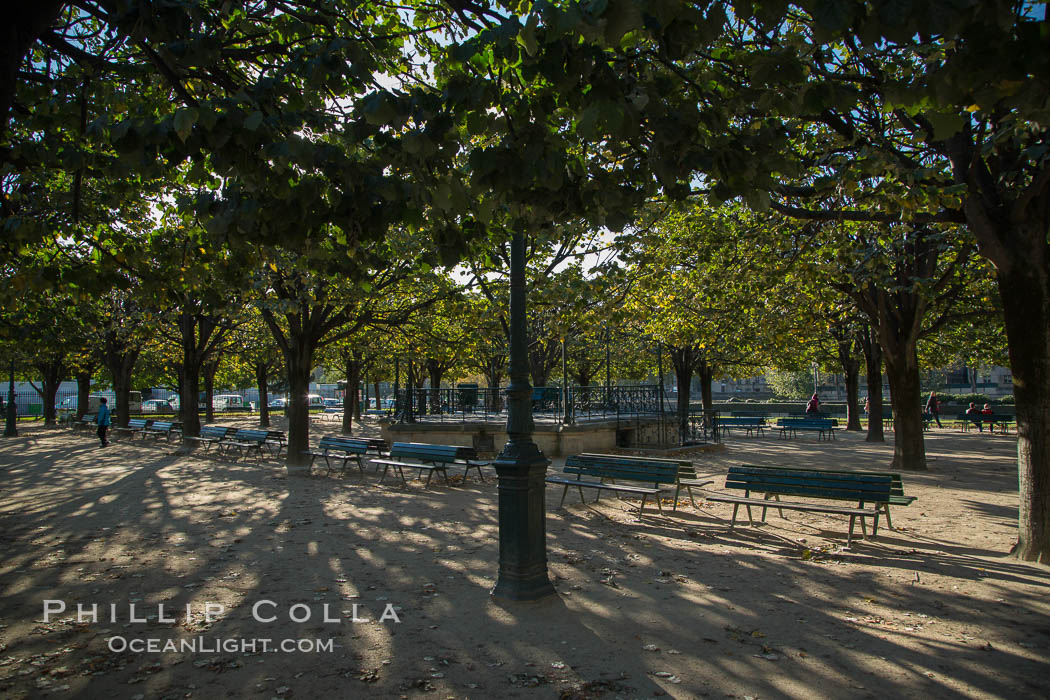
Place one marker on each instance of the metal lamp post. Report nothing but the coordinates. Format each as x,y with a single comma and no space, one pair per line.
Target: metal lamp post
521,466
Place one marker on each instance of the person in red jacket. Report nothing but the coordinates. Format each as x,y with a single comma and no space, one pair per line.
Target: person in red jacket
813,407
987,411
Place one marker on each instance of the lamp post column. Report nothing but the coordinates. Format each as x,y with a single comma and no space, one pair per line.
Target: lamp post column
521,466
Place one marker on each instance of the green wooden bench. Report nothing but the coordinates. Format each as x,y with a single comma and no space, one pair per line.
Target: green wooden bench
162,428
686,471
966,422
752,424
135,425
897,497
332,447
824,427
616,468
784,481
88,421
429,458
210,435
245,441
276,440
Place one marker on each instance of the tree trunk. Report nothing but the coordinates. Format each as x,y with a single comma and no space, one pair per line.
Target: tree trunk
494,377
684,360
189,398
379,400
120,360
52,373
851,369
299,361
1025,291
706,375
873,366
210,368
435,371
83,392
902,370
409,415
122,371
353,377
262,371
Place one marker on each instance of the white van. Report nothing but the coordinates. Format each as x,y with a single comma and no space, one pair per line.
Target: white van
230,402
314,401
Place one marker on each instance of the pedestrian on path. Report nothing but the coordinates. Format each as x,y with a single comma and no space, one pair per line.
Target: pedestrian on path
933,408
103,421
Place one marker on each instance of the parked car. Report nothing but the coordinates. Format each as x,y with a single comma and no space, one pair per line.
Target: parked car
278,403
231,402
333,403
157,406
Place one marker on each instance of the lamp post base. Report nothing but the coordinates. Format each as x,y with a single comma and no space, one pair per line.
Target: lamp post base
521,468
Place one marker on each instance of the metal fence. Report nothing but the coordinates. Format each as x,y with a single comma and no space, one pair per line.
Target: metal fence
643,419
571,404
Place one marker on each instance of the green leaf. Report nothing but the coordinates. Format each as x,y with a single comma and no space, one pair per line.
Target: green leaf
945,124
253,121
185,118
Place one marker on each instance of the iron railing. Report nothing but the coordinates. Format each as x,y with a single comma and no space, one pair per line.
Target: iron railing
575,403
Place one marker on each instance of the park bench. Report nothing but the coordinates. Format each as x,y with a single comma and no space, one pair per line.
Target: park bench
616,468
245,441
686,471
966,422
824,427
342,448
135,425
430,458
276,440
752,424
88,421
897,497
211,435
162,428
774,482
331,413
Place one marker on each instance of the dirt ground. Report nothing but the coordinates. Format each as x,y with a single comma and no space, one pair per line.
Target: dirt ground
675,605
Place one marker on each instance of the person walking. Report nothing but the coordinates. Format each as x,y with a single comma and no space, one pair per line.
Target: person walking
103,421
933,408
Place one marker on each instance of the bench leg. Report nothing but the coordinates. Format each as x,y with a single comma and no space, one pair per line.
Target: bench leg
328,465
849,537
736,507
641,507
750,519
360,464
863,526
429,474
886,511
875,525
677,489
582,499
563,492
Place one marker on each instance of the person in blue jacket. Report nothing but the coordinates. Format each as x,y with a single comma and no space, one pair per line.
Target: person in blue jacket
103,420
